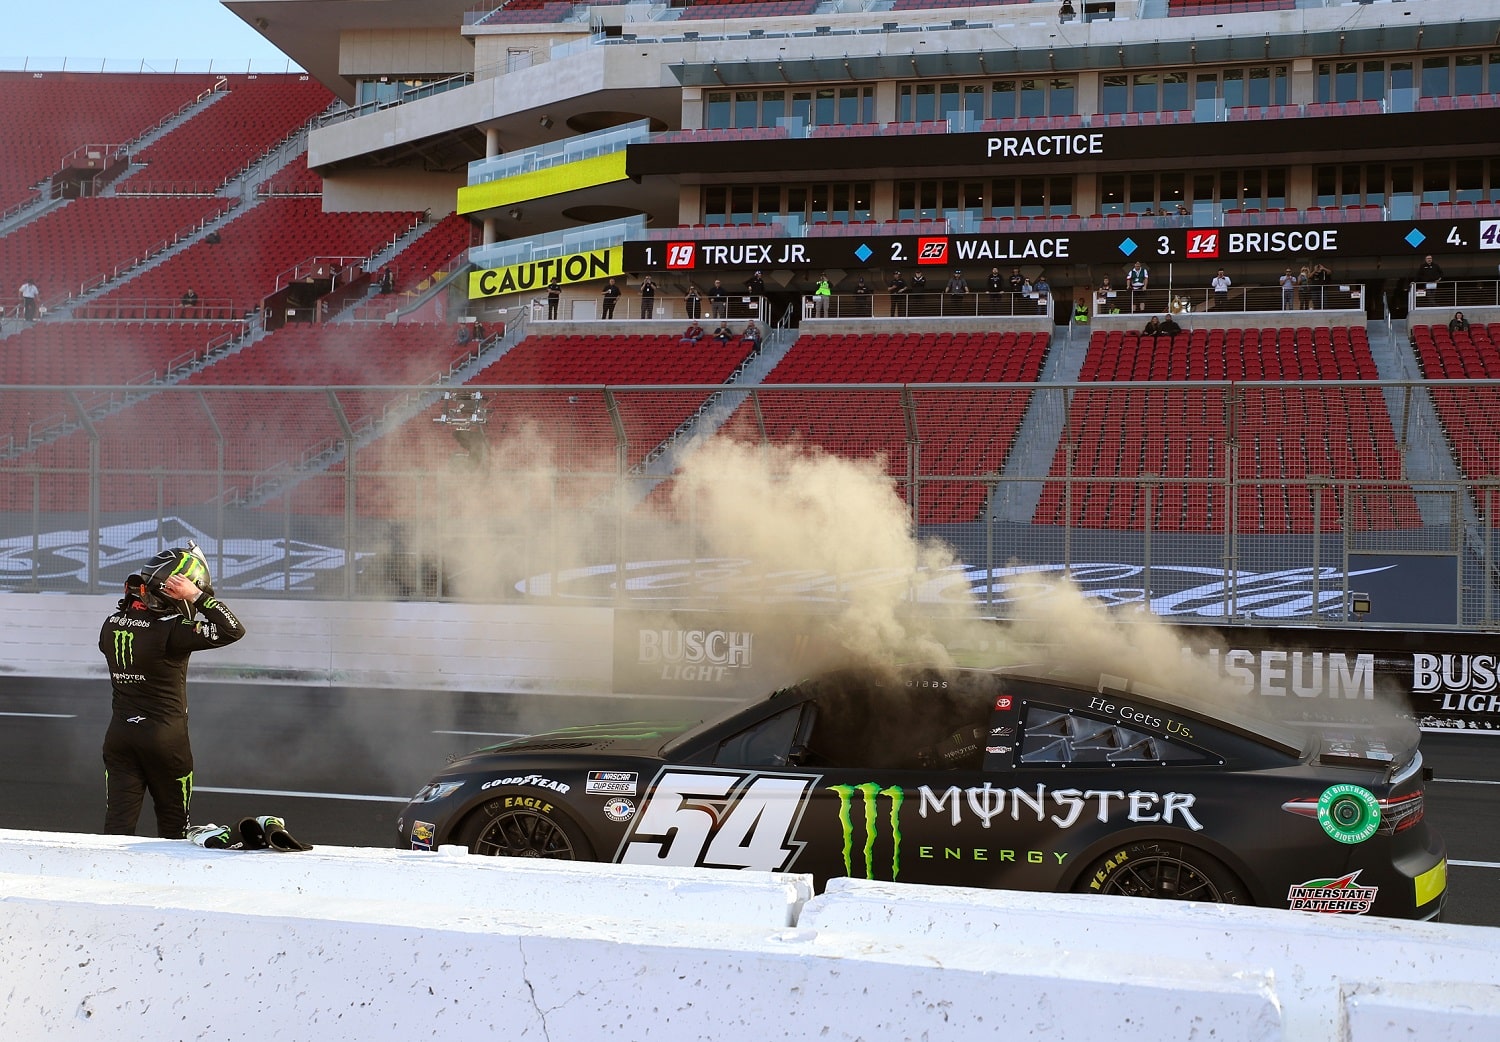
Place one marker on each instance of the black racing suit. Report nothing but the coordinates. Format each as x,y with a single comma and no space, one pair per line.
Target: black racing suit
146,747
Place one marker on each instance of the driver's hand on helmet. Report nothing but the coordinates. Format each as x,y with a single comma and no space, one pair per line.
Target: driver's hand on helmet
181,588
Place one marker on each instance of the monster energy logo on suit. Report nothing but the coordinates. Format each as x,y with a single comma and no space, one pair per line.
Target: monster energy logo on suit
124,648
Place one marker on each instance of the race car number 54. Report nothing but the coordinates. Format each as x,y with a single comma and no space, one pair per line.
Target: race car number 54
712,820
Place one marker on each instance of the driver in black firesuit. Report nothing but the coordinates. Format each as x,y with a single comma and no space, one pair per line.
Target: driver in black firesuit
147,642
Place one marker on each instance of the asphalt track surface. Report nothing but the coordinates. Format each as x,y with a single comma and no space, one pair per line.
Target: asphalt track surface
338,764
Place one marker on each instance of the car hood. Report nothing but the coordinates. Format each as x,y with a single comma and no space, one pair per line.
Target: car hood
639,738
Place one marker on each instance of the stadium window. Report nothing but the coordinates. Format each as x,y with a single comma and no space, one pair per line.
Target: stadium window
1062,97
1142,193
1436,184
746,108
796,202
1402,73
1113,93
906,200
1205,87
1003,197
1234,88
1250,188
861,205
1229,188
741,205
1112,193
802,106
719,113
973,102
927,200
772,107
1436,81
1468,180
770,204
1143,93
1403,193
1033,196
1260,87
1032,97
715,204
1468,74
1203,188
1345,81
1060,195
924,103
1373,81
1494,183
1002,99
856,105
1494,87
1174,91
1172,187
825,106
948,100
1349,176
1375,184
1326,186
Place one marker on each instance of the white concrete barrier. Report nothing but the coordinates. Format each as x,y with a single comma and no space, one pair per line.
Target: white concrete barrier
459,647
122,938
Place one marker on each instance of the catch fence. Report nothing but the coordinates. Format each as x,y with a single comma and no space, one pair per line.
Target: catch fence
1284,502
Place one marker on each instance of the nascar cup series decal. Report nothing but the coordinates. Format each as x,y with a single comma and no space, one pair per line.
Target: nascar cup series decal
1349,813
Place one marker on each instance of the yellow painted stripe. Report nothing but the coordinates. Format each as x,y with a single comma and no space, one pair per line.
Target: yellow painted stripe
539,184
1432,883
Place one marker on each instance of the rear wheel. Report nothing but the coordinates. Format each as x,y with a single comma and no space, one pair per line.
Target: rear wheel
1171,871
515,825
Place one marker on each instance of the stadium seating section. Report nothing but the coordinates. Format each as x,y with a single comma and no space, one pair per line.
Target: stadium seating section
1469,415
84,241
48,116
1192,437
962,432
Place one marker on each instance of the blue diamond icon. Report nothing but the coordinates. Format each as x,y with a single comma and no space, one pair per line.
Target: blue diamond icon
864,252
1128,246
1415,237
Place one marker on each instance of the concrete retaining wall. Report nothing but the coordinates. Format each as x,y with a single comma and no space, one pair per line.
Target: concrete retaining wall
123,938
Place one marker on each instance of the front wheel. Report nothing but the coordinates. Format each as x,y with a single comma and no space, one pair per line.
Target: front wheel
516,825
1171,871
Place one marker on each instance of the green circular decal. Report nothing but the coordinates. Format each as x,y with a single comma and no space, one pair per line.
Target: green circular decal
1349,813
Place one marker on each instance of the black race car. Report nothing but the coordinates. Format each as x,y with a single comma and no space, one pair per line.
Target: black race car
1028,781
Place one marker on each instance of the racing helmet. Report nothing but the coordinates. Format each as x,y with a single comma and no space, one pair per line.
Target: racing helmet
187,561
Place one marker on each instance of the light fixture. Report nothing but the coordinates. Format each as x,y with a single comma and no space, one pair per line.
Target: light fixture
515,214
546,122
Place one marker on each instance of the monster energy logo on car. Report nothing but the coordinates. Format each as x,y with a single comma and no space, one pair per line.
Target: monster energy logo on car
870,791
124,649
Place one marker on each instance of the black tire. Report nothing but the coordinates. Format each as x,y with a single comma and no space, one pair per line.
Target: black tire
516,824
1166,871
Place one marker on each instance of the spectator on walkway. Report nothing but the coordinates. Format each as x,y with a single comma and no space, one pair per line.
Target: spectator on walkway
1288,289
821,295
648,298
1320,277
30,300
1429,272
958,289
897,290
1304,289
611,298
1137,278
718,298
864,301
693,300
1221,283
1153,327
554,298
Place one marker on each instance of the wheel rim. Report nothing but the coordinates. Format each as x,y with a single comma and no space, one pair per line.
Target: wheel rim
1163,877
524,834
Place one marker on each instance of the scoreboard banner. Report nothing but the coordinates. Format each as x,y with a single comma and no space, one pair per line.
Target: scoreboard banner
1150,245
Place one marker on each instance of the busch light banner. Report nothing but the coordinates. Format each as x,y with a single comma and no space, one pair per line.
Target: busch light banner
1448,681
